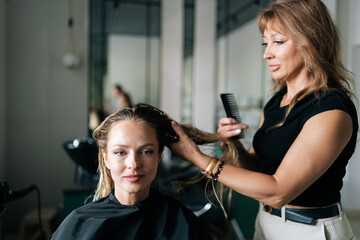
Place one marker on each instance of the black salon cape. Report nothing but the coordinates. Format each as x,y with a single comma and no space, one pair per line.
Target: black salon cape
157,217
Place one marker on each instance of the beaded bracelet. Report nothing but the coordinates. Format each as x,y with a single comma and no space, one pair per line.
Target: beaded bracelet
216,175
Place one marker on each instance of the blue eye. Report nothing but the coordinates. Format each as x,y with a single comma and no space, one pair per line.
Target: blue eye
279,42
146,152
120,153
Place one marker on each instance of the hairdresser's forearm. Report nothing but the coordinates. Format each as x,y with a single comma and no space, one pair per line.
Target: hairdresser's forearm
262,187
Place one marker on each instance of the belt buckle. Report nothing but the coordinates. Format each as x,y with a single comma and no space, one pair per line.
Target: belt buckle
266,210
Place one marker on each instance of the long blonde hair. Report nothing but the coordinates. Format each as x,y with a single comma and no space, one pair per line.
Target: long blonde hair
161,122
309,24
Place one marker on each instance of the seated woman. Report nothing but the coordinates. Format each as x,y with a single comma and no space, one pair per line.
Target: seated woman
125,206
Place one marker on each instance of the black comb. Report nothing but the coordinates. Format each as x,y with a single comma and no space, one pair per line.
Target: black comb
231,109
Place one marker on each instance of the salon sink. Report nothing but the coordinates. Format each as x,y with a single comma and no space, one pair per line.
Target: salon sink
84,152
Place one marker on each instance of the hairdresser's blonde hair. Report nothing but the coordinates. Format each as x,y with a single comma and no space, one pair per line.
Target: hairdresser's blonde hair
309,24
161,122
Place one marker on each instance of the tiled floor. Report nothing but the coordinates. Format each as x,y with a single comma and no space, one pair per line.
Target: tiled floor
354,219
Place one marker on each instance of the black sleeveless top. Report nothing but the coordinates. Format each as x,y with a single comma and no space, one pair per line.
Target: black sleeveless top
271,145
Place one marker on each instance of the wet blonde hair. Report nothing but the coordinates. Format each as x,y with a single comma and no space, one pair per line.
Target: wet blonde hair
161,122
309,24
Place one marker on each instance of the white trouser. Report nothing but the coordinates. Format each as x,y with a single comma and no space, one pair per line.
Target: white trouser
271,227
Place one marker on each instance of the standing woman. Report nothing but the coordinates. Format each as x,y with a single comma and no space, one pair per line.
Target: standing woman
307,132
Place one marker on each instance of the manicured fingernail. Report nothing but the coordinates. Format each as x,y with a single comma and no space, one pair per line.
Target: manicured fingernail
173,123
246,126
238,131
234,121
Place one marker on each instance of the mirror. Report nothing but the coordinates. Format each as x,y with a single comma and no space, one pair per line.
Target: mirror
125,42
124,51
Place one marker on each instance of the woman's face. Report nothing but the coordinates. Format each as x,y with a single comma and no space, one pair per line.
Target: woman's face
132,157
285,61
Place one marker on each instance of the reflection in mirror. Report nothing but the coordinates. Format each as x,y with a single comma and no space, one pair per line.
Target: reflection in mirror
125,44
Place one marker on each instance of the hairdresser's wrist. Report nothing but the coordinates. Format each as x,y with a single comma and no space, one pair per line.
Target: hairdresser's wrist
201,160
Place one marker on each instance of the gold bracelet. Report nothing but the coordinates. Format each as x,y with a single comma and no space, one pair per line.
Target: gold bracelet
210,168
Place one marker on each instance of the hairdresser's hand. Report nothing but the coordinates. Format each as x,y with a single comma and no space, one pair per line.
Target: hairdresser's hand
185,148
228,127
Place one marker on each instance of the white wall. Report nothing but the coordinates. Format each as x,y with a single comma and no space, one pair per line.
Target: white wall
348,22
127,67
2,89
46,103
172,30
355,21
332,6
204,65
242,74
245,58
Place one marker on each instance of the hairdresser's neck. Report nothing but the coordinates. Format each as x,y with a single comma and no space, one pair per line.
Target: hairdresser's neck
295,86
